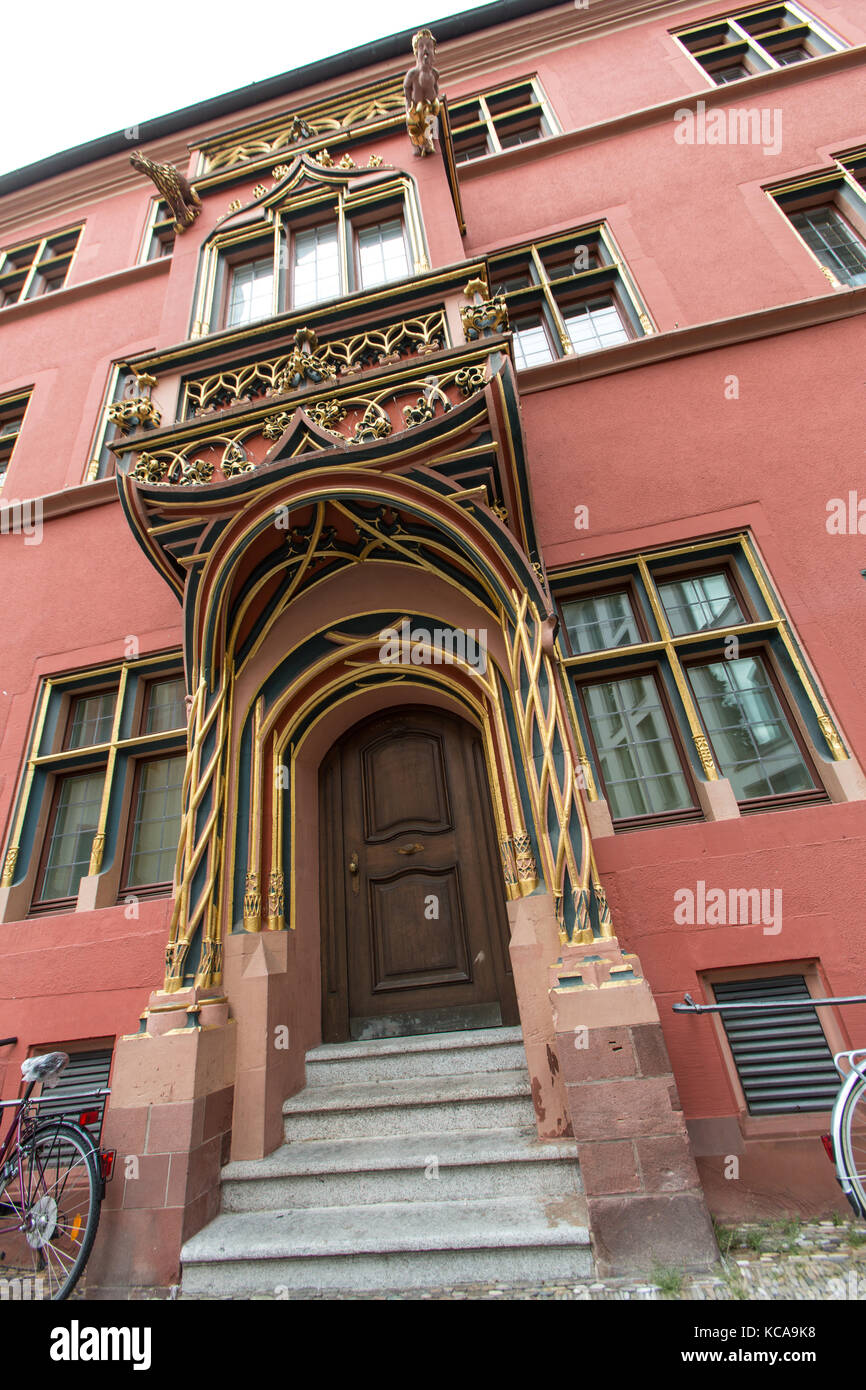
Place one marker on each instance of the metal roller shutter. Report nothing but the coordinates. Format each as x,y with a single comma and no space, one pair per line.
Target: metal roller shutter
87,1071
783,1060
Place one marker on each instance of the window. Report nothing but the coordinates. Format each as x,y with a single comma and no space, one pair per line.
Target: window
499,120
166,706
102,460
159,234
37,268
104,774
834,242
156,824
92,719
683,669
365,238
12,411
70,840
315,265
828,212
782,1057
569,295
758,39
251,292
382,253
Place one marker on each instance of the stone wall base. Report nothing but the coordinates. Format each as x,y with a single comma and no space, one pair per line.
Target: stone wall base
645,1202
170,1121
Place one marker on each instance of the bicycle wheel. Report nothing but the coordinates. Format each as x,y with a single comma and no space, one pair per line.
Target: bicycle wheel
50,1197
853,1131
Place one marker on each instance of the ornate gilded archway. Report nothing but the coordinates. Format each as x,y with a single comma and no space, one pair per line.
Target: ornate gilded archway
261,544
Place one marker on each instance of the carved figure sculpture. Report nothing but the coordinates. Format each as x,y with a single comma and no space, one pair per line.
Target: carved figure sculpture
421,90
182,199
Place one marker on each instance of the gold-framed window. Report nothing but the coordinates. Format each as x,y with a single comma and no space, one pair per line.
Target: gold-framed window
37,267
759,38
827,210
501,118
569,294
100,792
159,233
13,408
683,668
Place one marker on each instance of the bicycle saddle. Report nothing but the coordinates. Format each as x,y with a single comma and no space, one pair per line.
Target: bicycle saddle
46,1068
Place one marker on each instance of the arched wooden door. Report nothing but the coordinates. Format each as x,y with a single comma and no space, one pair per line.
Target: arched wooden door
415,934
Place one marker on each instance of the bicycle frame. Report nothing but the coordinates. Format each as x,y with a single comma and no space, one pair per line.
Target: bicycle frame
857,1073
22,1106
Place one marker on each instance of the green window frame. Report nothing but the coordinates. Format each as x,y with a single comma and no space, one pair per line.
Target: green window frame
13,408
694,638
499,119
95,730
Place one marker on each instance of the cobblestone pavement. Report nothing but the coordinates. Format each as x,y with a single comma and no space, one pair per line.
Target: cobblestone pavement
785,1260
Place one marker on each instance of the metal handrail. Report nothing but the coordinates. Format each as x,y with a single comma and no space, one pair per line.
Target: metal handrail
688,1006
64,1096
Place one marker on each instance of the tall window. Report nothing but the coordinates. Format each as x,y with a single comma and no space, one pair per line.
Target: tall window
251,292
316,265
500,119
104,775
757,39
12,411
382,255
680,659
36,268
568,295
159,234
156,822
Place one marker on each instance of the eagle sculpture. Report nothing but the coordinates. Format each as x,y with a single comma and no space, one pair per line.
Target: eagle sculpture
175,189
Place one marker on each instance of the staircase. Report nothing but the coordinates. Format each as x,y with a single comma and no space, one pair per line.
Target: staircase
408,1163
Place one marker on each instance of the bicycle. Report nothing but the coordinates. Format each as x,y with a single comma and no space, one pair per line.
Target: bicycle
845,1145
52,1182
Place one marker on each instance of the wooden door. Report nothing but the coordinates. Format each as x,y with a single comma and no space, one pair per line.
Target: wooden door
415,934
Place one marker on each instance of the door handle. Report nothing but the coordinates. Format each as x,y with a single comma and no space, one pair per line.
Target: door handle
353,864
354,871
409,849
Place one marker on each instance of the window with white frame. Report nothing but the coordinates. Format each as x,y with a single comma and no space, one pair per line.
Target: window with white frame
760,38
828,212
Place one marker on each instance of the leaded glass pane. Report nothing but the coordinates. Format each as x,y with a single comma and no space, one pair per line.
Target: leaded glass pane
92,718
252,292
594,325
597,624
834,242
157,822
751,737
165,707
638,759
700,603
72,836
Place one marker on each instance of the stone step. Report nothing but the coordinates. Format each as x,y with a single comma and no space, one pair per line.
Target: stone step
390,1245
409,1105
434,1054
433,1167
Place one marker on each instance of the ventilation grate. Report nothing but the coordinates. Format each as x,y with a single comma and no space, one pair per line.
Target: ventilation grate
782,1059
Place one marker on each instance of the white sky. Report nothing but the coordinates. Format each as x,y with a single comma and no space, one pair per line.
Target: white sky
75,71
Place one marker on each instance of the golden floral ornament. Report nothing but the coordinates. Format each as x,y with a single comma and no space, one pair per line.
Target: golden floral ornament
235,205
347,162
259,191
324,159
276,425
328,413
374,162
279,171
